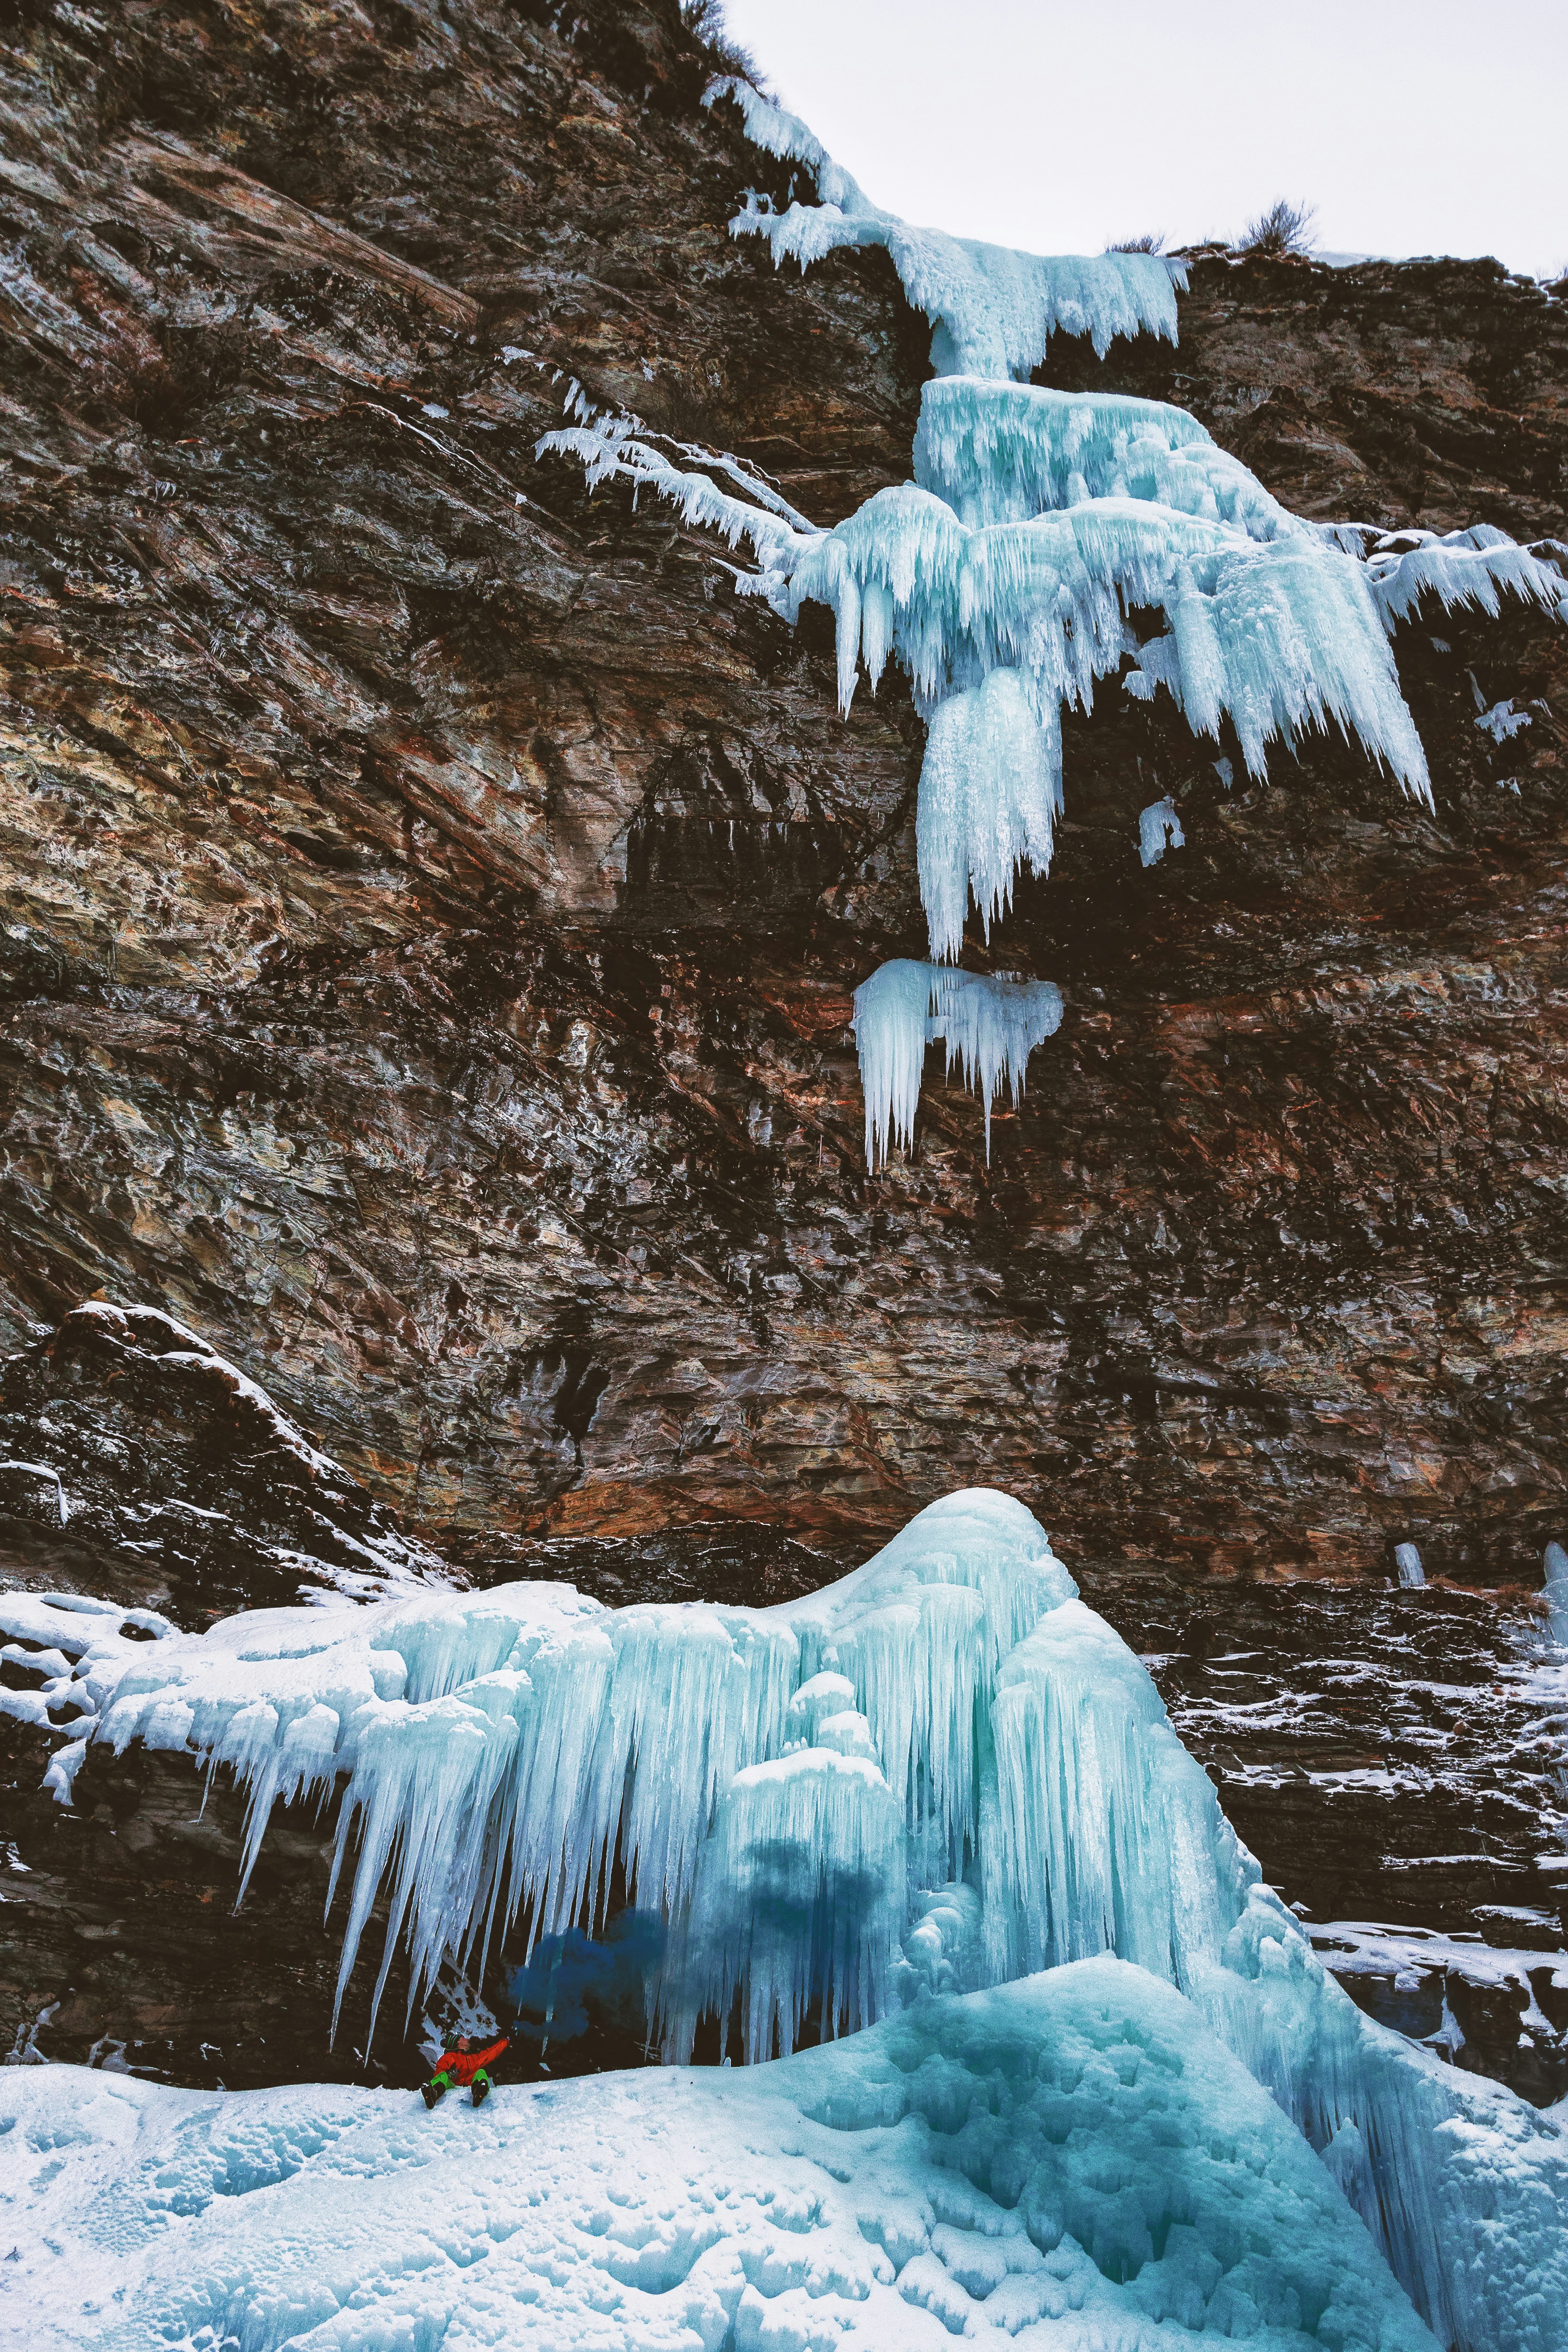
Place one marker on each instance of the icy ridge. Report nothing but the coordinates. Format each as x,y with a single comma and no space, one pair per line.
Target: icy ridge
79,1650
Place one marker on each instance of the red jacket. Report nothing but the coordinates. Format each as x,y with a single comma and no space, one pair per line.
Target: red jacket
464,2064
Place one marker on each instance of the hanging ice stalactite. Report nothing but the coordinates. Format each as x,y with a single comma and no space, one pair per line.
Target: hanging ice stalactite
990,1024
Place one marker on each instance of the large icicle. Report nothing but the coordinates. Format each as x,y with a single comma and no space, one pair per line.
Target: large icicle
991,1025
1281,635
990,795
992,309
800,1896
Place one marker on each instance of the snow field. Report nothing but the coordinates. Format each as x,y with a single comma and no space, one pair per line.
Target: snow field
1072,2163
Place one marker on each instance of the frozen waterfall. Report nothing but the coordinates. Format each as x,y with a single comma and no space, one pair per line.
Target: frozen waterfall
1004,578
942,1769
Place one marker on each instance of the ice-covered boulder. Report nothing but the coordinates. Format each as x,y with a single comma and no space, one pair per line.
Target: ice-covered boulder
1068,2163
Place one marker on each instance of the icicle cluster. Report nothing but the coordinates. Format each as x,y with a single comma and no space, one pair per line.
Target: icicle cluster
1474,567
990,1024
943,1770
501,1748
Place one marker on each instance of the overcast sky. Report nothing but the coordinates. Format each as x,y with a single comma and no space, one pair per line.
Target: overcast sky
1413,126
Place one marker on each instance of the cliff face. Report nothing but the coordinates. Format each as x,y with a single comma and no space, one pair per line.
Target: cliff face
434,898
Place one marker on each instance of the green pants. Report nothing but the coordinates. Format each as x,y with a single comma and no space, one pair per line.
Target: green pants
440,2084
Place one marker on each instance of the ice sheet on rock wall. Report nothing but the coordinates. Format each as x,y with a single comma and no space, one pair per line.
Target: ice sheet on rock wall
1072,2164
992,309
1475,567
78,1649
1280,635
1159,829
990,1024
1004,579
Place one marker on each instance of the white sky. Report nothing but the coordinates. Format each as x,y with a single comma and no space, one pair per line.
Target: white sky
1414,126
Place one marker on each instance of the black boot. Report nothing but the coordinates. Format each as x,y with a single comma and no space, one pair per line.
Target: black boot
433,2092
481,2090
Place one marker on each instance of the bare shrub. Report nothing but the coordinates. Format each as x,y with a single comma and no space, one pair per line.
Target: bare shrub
1154,242
1285,227
709,34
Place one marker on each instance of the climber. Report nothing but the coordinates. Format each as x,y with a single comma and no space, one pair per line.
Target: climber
464,2063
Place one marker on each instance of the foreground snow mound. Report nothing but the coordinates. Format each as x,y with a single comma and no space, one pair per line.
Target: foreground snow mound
1072,2163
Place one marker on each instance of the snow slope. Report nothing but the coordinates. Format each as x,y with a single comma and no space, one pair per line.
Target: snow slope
1072,2163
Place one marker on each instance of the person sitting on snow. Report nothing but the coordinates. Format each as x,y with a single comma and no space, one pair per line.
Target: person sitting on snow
464,2065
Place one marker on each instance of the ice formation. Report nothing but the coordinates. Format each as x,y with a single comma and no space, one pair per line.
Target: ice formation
1502,722
1005,577
990,1025
1159,829
942,1771
1068,2165
992,309
1474,567
78,1649
1555,1573
990,795
1407,1560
